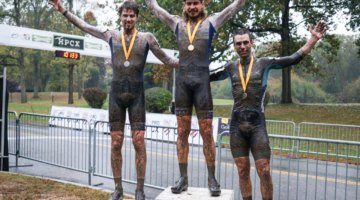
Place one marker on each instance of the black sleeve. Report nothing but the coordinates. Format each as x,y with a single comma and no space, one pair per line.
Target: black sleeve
287,61
220,73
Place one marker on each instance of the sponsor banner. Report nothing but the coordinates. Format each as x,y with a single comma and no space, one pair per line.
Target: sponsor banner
224,125
90,115
51,41
160,126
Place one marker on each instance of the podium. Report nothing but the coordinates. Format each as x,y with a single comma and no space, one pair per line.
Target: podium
194,193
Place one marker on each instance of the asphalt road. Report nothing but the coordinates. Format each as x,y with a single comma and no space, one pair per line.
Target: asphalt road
65,154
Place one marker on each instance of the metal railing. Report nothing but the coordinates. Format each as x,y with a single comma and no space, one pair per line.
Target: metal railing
301,174
49,140
12,126
302,167
162,165
332,132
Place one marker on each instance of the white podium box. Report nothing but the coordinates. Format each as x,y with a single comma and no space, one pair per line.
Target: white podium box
195,194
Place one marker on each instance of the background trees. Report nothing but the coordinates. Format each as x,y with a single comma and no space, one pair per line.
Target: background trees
272,19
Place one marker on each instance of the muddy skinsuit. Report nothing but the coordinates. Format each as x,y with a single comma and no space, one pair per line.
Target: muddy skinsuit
193,86
247,126
192,77
127,89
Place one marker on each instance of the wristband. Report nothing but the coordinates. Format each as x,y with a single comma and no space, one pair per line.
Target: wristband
65,12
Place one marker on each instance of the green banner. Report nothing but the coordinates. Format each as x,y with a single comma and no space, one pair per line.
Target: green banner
90,45
67,42
39,38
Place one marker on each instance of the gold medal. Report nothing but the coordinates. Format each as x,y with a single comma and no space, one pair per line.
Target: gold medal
127,52
126,63
244,95
244,83
191,47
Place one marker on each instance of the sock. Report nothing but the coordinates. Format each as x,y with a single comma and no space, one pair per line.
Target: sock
118,183
140,184
183,169
211,172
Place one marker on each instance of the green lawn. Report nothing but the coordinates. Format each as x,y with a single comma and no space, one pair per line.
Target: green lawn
43,104
304,113
222,108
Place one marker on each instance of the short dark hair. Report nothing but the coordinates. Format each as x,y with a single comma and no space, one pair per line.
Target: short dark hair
243,31
129,5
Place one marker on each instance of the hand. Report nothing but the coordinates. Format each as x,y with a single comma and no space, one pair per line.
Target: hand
318,30
57,5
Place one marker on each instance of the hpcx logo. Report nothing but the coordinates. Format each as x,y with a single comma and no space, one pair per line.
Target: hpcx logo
66,42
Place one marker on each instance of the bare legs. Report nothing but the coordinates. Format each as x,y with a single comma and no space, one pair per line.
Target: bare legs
140,157
209,145
243,166
263,170
117,139
182,143
182,146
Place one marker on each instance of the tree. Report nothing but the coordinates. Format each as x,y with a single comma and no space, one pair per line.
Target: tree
13,15
278,19
342,70
37,17
358,44
352,92
162,74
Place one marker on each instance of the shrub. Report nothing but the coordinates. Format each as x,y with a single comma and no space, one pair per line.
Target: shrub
157,99
94,97
352,91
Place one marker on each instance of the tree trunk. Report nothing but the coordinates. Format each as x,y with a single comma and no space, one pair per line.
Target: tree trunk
285,51
22,76
80,91
165,84
37,77
81,70
71,84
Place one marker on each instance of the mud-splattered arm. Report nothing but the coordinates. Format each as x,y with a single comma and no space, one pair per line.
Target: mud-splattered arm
159,53
218,19
81,24
220,73
163,15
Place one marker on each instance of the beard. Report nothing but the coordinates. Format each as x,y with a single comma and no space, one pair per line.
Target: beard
186,16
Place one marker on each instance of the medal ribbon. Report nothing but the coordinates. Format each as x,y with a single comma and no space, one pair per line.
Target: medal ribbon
243,82
128,52
192,35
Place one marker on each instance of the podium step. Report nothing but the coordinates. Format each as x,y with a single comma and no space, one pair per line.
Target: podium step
195,194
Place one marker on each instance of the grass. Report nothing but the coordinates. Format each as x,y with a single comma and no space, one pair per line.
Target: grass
222,108
16,186
315,113
43,104
304,113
